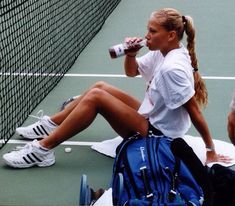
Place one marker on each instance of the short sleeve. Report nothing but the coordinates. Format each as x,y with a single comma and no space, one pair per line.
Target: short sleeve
147,64
176,88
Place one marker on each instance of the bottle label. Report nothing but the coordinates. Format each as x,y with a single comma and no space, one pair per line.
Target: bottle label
119,50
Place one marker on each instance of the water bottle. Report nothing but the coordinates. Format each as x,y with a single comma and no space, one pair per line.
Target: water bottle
121,49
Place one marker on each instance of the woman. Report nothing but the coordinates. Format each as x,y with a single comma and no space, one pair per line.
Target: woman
175,92
169,103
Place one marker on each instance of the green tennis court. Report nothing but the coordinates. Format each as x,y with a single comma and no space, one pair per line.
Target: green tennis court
59,185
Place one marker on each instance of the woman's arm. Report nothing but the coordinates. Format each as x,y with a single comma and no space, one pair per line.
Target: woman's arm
202,127
231,126
131,66
130,63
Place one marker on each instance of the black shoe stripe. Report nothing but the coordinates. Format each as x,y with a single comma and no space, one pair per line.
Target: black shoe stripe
44,130
32,160
39,160
36,132
26,160
40,130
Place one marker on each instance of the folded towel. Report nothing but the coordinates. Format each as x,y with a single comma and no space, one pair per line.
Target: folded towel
108,147
222,147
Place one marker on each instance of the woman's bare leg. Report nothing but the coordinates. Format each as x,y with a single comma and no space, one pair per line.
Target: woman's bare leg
123,118
119,94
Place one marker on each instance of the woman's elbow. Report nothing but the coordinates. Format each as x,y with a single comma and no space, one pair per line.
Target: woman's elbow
131,74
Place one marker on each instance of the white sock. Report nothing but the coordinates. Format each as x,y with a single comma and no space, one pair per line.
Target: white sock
37,144
52,123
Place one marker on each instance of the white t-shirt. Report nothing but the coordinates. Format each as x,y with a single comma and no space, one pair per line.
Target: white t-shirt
170,85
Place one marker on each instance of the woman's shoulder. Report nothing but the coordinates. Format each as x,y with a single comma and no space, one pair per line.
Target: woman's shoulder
175,71
177,61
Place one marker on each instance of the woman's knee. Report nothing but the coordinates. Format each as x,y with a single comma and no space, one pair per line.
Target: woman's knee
95,90
100,85
94,94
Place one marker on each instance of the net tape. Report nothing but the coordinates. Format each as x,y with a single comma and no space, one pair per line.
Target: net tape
41,39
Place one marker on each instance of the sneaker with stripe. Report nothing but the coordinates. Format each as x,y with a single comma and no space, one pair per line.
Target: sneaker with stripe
38,130
32,154
68,101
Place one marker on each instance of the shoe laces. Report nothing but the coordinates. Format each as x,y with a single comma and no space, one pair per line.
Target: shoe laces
39,115
21,149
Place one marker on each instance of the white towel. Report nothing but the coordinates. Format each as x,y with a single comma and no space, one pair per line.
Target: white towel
108,147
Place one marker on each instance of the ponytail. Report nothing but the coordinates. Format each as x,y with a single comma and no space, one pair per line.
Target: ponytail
201,94
171,19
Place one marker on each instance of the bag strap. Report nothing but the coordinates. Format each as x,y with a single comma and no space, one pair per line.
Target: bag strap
124,145
147,188
174,179
121,148
176,172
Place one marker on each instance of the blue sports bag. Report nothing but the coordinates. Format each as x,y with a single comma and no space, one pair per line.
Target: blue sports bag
146,172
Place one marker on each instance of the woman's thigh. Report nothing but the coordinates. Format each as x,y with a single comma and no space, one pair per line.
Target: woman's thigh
123,118
127,99
118,93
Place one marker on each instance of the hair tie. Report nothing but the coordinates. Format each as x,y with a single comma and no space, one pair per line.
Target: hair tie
195,70
184,19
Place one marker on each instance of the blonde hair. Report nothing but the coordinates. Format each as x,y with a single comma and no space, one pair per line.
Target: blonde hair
172,20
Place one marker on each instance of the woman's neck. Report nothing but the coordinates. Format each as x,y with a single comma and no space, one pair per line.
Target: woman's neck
165,51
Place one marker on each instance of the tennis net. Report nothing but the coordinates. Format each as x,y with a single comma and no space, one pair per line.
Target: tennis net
39,42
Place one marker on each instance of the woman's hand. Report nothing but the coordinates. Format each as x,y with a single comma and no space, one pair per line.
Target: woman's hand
133,43
212,156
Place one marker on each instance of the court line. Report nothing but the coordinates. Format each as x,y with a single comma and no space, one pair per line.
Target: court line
68,143
218,78
100,75
124,76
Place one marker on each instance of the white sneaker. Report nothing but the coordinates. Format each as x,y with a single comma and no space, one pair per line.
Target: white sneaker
30,155
39,129
68,101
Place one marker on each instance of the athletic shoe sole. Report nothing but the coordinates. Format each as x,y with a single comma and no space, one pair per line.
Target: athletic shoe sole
45,163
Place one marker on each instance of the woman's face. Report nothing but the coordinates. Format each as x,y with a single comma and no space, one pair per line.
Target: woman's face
157,37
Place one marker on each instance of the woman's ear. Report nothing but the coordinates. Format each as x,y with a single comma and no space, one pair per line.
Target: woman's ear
172,36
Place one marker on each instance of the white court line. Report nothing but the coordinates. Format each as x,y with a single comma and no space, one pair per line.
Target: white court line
68,143
124,76
218,78
100,75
